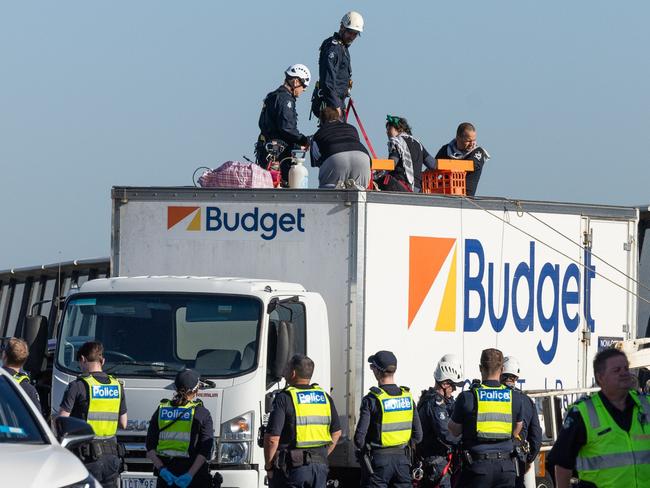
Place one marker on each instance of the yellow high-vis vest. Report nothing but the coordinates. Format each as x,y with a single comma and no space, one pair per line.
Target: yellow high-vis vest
613,457
103,405
19,377
494,413
313,416
396,417
175,428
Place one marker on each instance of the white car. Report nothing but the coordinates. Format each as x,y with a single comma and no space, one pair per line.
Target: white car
30,454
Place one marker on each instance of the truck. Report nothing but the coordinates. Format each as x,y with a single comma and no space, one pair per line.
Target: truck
233,282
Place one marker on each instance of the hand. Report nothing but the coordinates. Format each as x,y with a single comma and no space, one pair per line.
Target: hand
269,473
184,480
167,476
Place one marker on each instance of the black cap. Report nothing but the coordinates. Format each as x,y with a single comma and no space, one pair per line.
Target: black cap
382,360
187,380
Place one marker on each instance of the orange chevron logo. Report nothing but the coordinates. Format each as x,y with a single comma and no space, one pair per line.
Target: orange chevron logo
176,214
426,258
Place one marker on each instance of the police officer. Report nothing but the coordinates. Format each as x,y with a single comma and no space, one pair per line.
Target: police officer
302,431
334,68
97,398
605,437
529,441
180,436
388,422
434,408
279,119
488,416
14,356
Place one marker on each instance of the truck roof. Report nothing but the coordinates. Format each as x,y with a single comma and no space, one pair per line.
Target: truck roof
188,284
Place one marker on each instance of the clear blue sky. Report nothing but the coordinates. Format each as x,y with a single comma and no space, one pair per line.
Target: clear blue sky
95,94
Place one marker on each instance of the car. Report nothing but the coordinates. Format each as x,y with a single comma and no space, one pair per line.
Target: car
31,456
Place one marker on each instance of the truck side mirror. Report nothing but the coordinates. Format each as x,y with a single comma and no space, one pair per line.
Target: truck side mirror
283,345
35,331
268,401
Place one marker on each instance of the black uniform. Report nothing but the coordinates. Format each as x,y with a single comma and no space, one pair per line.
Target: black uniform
531,434
27,387
282,422
279,121
335,73
105,467
478,155
201,443
391,465
492,464
437,442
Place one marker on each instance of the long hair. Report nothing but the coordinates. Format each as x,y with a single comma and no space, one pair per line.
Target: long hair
181,397
399,123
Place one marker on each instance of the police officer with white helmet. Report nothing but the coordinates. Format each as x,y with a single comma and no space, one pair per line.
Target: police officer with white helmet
334,66
434,408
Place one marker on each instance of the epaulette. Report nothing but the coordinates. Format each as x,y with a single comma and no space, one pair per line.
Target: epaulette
335,41
405,388
375,390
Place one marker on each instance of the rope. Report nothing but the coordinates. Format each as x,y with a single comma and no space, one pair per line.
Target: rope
557,251
602,260
363,131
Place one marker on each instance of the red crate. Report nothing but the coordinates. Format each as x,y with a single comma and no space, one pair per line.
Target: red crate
445,182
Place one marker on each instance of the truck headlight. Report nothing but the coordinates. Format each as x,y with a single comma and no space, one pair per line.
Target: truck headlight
235,440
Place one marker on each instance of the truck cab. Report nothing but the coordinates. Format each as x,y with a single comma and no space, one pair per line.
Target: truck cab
237,333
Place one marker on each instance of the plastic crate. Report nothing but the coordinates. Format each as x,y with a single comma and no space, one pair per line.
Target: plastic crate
445,182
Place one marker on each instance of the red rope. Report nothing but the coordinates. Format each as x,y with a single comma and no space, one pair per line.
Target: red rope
363,131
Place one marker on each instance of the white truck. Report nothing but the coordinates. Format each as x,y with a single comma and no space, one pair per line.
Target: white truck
421,275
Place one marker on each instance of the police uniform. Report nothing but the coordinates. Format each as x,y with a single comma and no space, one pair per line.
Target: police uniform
607,447
530,437
388,421
335,73
477,155
178,434
98,398
23,380
487,413
279,121
304,417
437,442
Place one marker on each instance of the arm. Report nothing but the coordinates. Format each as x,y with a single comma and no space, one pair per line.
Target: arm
517,429
151,441
429,161
534,434
288,123
328,69
122,421
455,424
271,443
196,465
362,424
455,429
416,428
335,438
562,477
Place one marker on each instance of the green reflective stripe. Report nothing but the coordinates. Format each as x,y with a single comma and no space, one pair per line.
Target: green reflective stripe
608,461
313,420
493,435
170,453
591,412
306,444
108,416
396,426
494,417
174,436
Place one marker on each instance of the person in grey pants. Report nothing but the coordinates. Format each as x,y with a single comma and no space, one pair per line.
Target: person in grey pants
337,150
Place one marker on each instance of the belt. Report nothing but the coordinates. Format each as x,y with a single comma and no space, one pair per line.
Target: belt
491,455
388,450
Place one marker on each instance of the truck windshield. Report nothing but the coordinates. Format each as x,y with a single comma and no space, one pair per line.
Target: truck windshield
160,334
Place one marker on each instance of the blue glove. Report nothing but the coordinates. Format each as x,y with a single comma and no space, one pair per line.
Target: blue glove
167,476
184,480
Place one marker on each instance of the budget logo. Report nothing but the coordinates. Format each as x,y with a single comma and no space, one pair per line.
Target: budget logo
106,392
177,214
311,398
397,404
167,413
427,255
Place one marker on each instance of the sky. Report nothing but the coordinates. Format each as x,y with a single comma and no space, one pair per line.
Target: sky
96,94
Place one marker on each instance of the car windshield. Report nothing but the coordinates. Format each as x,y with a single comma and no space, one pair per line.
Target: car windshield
161,334
17,425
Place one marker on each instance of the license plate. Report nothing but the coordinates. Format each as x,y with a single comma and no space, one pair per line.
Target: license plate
146,482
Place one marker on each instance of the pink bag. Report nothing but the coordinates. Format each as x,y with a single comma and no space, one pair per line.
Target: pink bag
235,174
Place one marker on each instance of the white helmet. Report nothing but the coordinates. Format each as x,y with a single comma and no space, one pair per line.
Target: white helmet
449,368
511,366
353,21
299,71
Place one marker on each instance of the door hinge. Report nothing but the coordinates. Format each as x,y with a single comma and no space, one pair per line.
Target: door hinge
626,328
587,238
627,246
586,336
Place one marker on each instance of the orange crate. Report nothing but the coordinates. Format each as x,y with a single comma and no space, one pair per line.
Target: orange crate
444,182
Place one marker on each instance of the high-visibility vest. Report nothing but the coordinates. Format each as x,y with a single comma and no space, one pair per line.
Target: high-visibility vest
396,416
611,456
313,416
20,377
494,412
103,405
175,428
